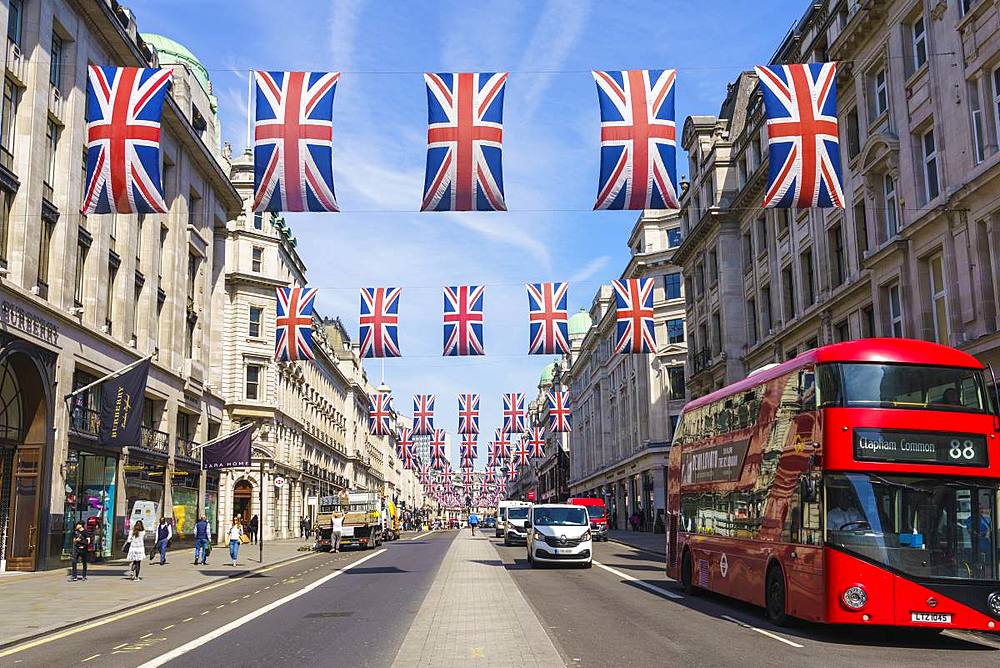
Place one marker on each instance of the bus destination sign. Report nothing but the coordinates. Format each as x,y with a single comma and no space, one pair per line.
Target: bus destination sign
718,463
920,447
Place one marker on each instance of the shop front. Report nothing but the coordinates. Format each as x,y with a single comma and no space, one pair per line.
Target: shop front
184,497
211,504
144,493
89,498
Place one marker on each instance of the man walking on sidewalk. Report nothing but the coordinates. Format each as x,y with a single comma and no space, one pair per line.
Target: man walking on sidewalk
252,528
473,522
202,540
82,542
164,533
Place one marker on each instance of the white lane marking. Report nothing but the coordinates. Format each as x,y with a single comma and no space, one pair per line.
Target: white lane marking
187,620
119,646
235,624
773,636
168,627
90,658
145,636
427,533
645,585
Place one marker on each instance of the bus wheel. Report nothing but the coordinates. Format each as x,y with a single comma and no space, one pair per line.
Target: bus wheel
687,574
774,596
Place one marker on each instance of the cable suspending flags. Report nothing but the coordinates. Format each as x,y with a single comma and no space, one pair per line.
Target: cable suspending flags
293,325
638,140
803,141
379,322
293,141
548,326
464,142
124,109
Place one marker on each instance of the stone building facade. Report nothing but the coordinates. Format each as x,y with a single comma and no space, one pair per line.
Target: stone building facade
915,252
82,296
625,407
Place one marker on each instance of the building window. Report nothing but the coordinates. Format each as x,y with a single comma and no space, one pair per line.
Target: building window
838,261
747,252
5,200
880,93
716,333
51,149
11,98
675,379
258,221
256,313
895,310
672,285
257,259
860,231
189,338
784,221
761,235
967,5
156,327
978,126
918,37
14,19
673,237
109,296
44,248
159,259
752,320
699,278
841,331
929,148
939,299
253,382
787,293
82,249
742,171
868,322
140,221
891,210
713,268
853,133
675,330
808,277
56,61
136,303
192,278
766,323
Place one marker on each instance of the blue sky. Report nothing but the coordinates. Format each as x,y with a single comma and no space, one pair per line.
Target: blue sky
551,137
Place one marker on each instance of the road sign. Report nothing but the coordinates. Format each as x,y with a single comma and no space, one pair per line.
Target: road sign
531,495
279,481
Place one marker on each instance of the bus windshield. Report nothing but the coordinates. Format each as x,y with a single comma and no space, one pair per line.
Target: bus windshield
902,386
922,527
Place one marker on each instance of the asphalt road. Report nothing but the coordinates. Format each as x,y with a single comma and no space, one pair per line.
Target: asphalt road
357,617
636,616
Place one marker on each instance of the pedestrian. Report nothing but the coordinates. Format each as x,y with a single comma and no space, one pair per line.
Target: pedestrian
252,528
473,522
642,518
164,534
336,530
302,527
136,550
309,525
236,537
82,544
202,540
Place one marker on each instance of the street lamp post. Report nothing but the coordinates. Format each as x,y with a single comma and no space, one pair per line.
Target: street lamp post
557,384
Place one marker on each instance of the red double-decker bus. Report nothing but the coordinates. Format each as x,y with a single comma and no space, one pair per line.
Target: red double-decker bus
855,484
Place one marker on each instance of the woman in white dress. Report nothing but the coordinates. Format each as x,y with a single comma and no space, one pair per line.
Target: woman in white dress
136,549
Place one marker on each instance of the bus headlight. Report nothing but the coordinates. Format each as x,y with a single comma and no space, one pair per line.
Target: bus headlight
993,601
854,597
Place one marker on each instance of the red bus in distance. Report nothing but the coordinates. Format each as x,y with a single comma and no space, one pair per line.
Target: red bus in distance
854,484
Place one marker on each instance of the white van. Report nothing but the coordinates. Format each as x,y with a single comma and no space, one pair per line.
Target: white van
559,532
501,530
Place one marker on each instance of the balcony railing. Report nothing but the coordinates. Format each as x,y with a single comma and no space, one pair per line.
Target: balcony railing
701,359
154,440
186,449
85,421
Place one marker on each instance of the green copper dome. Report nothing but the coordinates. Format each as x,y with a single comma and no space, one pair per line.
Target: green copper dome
580,323
172,53
546,377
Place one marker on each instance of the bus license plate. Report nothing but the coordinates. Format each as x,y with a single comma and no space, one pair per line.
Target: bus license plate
932,617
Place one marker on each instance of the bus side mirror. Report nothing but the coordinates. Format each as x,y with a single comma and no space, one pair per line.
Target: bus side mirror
808,490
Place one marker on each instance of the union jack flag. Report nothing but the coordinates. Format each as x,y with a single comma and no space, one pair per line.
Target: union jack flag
548,329
494,456
293,338
638,140
467,477
491,477
513,413
464,142
468,450
438,451
502,443
559,411
124,108
404,441
535,439
425,474
634,302
409,460
379,414
380,322
293,141
423,415
803,145
468,414
463,320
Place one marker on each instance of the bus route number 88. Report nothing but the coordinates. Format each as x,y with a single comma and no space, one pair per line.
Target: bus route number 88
961,449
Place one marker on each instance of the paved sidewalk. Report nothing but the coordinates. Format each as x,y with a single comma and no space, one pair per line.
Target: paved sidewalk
474,615
652,542
38,603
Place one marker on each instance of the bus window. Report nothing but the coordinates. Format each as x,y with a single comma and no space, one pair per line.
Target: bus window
903,386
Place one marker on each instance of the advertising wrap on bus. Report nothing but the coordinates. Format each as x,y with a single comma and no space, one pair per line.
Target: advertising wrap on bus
718,463
920,447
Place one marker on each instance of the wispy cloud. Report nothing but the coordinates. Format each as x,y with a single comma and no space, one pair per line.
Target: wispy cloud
589,270
551,44
345,16
499,227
